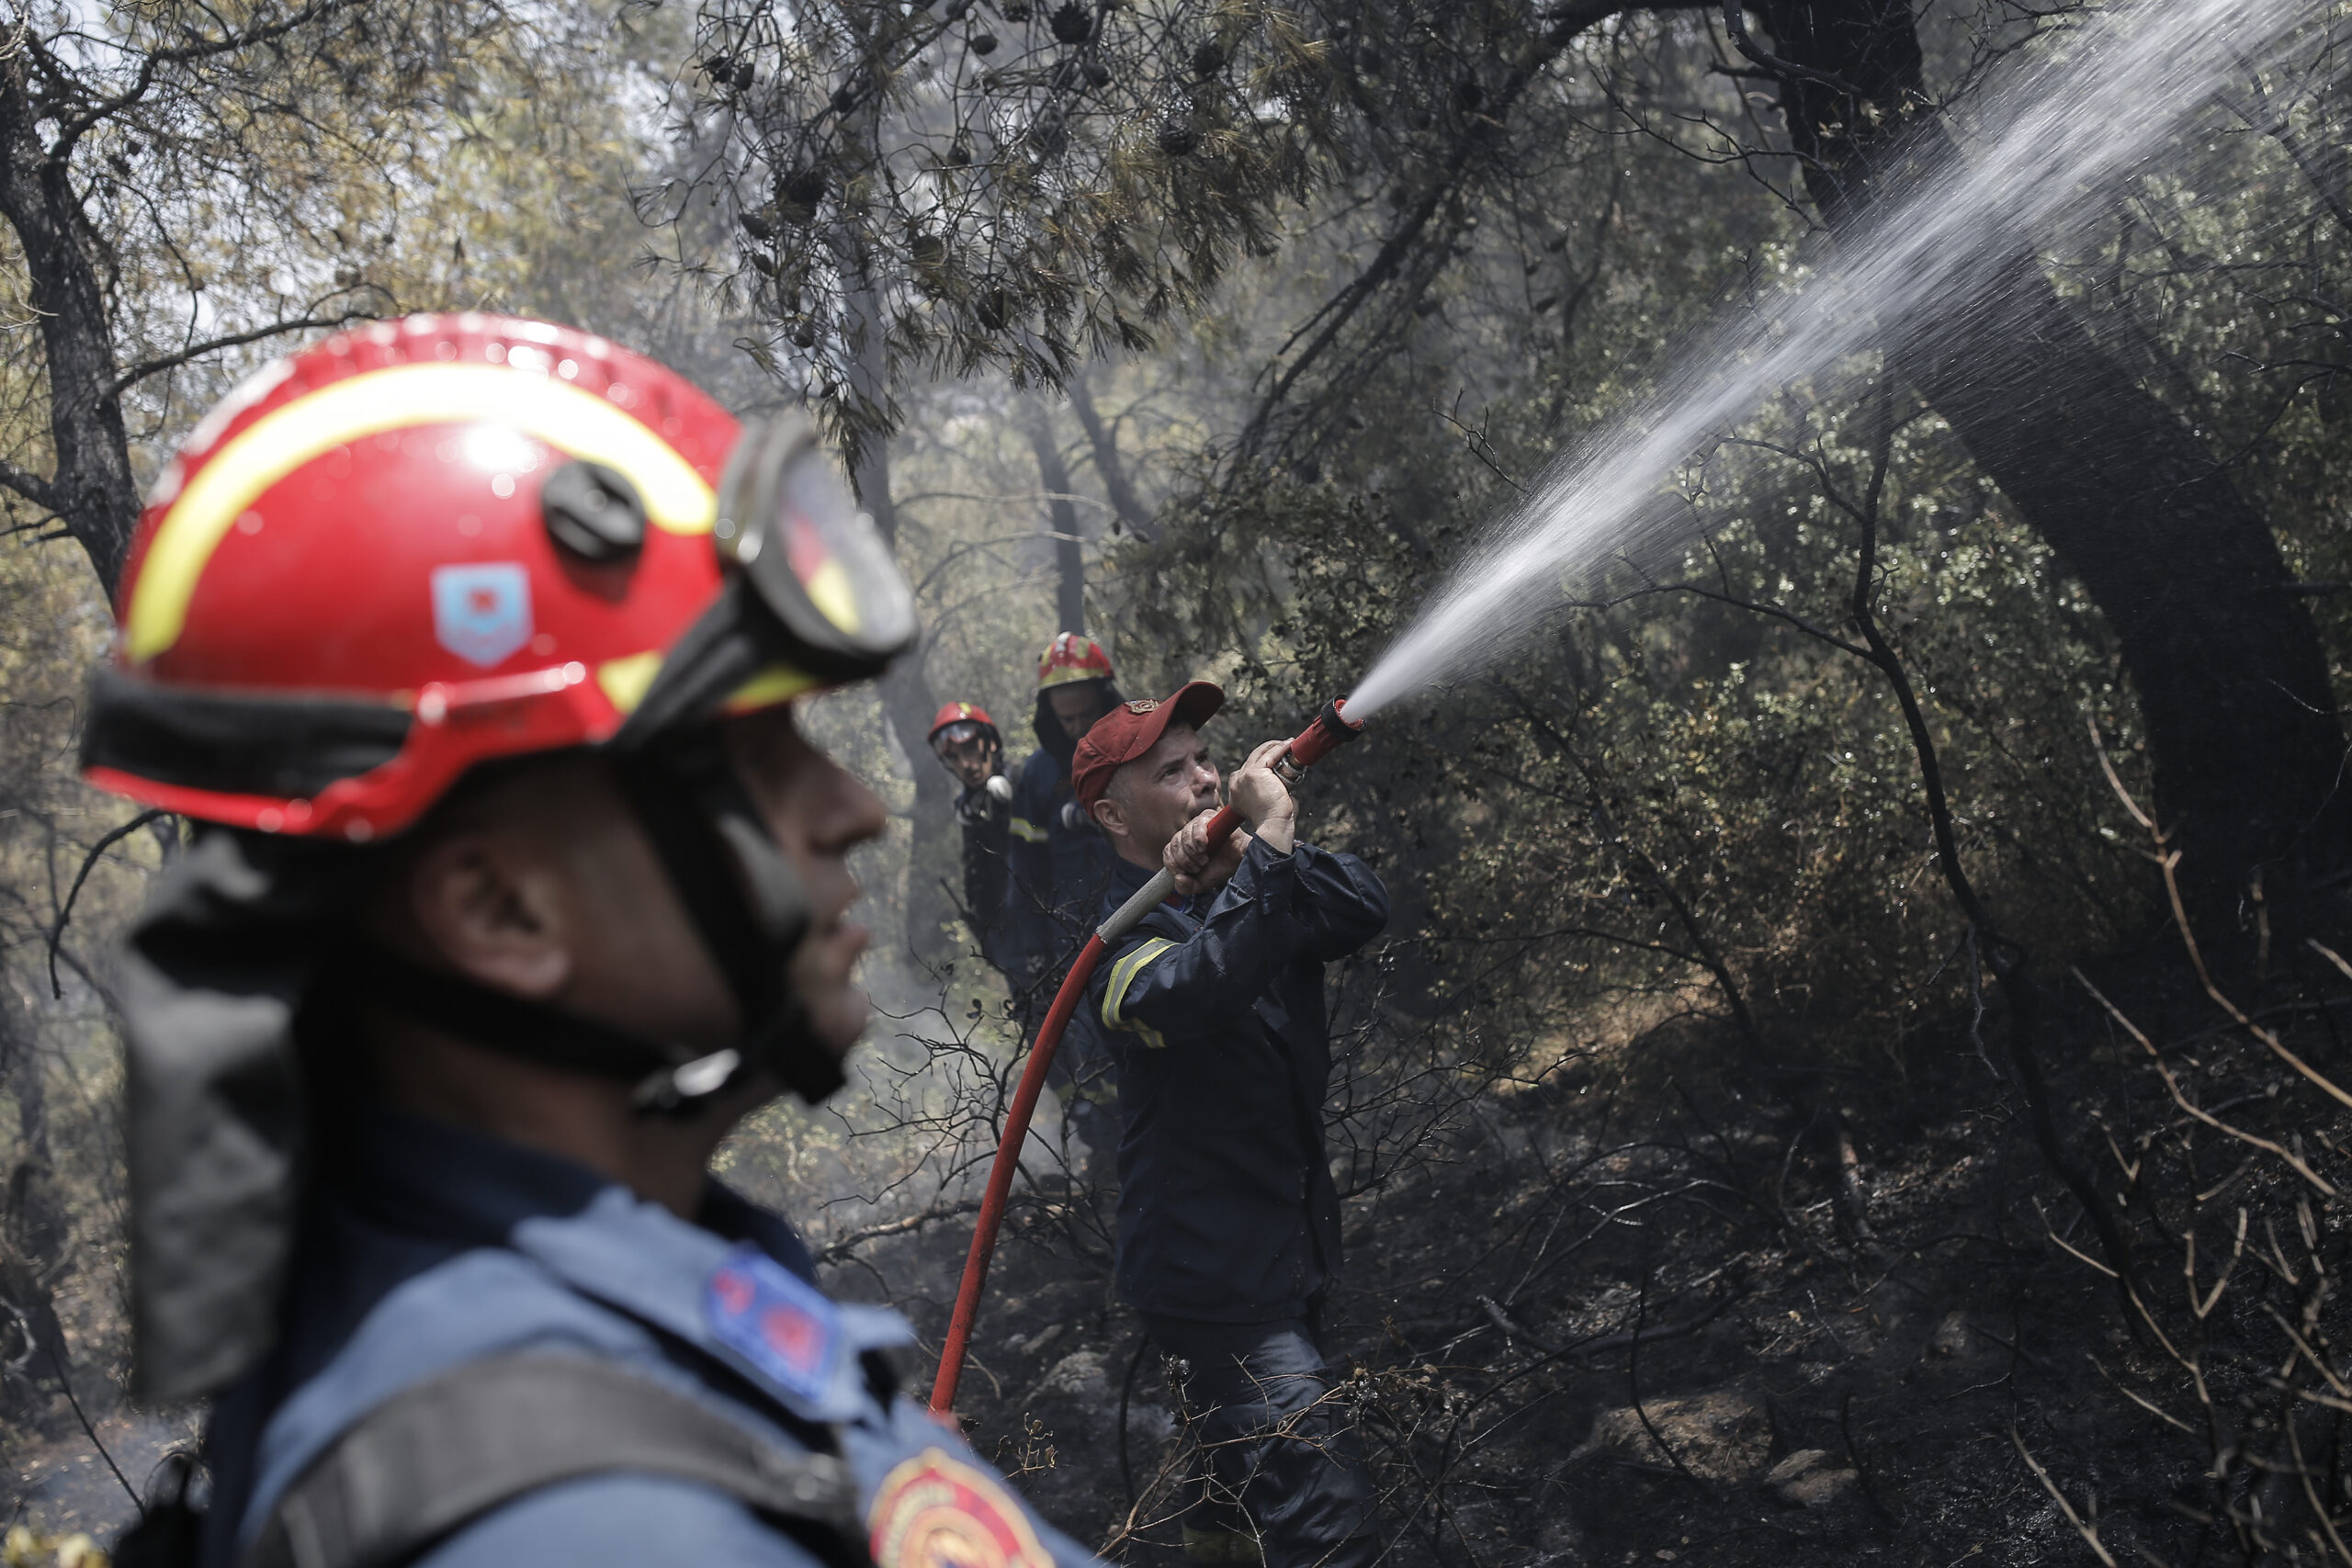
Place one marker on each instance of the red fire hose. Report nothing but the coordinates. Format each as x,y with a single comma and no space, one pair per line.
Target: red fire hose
1330,731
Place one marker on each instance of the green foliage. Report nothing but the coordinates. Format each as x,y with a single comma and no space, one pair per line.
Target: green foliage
1015,185
1022,185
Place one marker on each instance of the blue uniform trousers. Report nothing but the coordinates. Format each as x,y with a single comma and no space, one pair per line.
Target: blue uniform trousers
1276,1446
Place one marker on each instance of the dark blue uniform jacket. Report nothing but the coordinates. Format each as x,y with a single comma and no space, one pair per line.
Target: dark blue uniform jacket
440,1246
988,844
1059,873
1227,1208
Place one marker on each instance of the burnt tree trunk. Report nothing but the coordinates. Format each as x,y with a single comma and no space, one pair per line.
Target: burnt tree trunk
1129,507
908,705
33,1235
908,701
91,490
2232,680
1069,549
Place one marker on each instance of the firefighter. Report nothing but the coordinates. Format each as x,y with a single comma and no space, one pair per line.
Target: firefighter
1228,1231
469,646
1060,866
964,739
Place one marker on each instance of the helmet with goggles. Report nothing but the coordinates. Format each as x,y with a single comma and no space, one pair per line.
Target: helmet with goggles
444,542
956,723
430,542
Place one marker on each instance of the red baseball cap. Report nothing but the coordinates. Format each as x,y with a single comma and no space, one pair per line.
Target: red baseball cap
1132,729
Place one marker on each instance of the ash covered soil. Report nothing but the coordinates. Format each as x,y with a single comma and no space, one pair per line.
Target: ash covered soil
1633,1314
1648,1310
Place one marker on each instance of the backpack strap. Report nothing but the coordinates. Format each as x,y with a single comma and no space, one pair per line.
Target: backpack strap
448,1450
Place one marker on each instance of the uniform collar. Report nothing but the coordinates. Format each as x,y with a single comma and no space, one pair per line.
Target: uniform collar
435,1181
422,1176
660,1270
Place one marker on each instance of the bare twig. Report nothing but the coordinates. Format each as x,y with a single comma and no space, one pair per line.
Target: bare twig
89,861
2088,1532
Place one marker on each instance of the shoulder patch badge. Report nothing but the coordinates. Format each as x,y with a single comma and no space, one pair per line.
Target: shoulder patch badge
934,1511
481,612
776,1320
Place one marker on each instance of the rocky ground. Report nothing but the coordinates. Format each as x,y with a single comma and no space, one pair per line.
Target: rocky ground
1654,1308
1643,1313
1724,1392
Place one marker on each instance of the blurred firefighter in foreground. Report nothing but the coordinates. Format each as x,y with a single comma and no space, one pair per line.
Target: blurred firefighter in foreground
1061,864
964,739
1229,1219
470,646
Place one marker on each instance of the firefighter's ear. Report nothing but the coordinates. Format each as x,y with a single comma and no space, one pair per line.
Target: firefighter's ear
487,907
1111,817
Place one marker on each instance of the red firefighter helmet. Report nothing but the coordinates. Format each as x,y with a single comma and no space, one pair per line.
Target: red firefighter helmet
959,712
1072,656
427,542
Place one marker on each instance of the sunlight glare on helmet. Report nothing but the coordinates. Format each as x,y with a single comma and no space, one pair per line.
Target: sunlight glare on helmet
500,449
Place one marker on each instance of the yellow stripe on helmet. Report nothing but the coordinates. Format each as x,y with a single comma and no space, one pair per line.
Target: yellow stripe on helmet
571,418
625,681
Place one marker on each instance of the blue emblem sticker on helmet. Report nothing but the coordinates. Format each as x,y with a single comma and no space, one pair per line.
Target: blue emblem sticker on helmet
481,612
776,1320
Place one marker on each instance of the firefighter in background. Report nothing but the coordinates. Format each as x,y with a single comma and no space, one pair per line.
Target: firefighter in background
1061,863
964,739
469,646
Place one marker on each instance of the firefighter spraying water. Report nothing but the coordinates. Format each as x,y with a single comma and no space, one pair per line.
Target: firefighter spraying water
2089,118
1205,981
1331,729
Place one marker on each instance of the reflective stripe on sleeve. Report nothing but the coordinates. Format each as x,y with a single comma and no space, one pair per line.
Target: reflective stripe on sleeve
1028,831
1114,995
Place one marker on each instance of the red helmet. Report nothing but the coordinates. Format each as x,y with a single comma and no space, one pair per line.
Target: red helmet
959,712
431,542
1072,656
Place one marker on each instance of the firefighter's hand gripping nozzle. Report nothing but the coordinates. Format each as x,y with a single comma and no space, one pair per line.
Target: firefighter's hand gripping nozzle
1332,728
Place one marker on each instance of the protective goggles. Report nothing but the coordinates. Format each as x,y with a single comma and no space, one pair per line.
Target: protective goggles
959,736
791,527
811,590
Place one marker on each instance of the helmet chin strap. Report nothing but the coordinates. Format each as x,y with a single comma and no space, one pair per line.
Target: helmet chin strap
745,902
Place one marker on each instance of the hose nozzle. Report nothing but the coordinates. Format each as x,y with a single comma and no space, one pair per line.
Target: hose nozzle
1332,728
